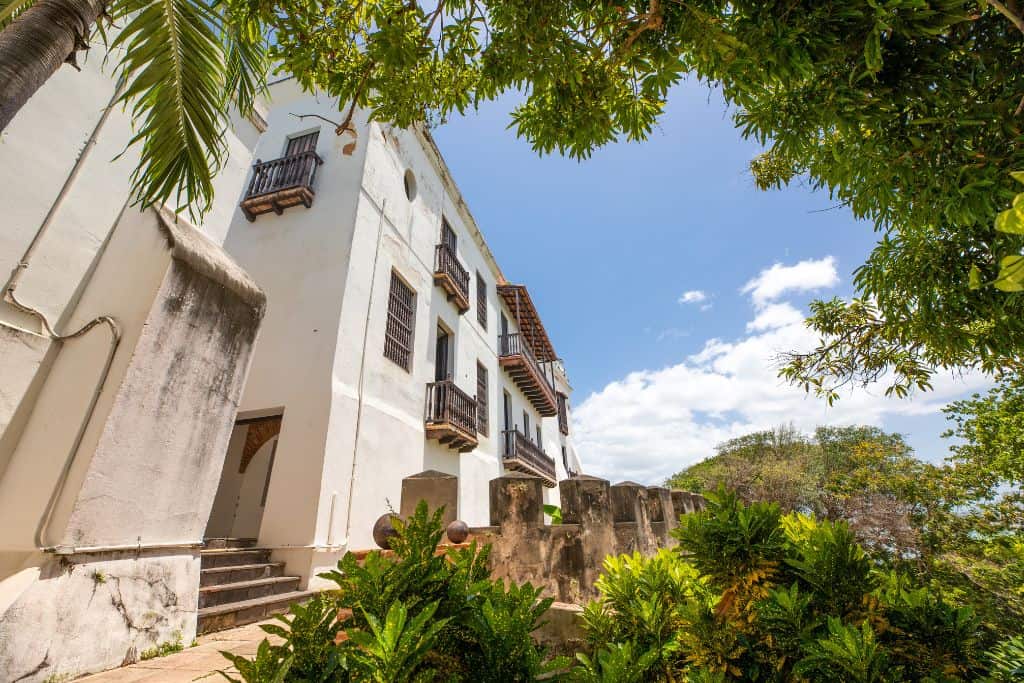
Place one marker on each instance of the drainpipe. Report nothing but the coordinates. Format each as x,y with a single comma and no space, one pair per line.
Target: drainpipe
115,330
362,374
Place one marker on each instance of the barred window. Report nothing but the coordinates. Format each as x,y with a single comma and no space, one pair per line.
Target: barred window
481,300
401,320
482,406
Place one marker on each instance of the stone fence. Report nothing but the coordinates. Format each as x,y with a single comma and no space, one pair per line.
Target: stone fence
598,519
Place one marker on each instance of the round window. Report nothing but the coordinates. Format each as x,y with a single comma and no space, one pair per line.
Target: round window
410,184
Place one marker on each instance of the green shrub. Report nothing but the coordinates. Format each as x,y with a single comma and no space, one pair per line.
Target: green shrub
1006,661
409,616
753,595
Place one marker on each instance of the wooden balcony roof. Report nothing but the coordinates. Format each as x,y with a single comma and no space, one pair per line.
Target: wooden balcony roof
518,300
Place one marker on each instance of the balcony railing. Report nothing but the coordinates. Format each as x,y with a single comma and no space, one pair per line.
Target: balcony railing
450,416
281,183
452,276
522,454
534,378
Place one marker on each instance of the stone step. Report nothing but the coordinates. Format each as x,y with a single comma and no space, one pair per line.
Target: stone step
216,576
222,543
229,557
220,617
210,596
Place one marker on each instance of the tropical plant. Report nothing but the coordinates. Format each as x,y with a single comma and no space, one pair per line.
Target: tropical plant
755,596
409,615
1006,661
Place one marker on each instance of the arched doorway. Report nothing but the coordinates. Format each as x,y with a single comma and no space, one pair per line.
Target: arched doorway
242,493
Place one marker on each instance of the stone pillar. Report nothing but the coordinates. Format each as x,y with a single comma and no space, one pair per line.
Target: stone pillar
438,489
662,514
517,500
632,524
586,501
682,502
519,551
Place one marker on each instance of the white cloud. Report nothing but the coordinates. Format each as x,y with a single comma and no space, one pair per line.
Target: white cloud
773,316
652,423
805,276
694,296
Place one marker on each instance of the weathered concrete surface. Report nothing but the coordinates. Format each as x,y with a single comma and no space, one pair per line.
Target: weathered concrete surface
97,611
562,633
147,469
566,559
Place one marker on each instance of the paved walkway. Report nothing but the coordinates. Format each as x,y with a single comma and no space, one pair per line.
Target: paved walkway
194,663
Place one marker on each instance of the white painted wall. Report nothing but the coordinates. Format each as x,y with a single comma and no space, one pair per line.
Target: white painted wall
353,419
57,158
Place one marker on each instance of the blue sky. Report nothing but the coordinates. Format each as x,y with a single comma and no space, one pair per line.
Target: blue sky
608,248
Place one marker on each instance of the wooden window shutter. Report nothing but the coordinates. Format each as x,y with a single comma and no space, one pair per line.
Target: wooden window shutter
481,301
302,143
483,410
401,322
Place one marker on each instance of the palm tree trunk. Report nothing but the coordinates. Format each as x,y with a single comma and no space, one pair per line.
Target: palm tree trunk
35,44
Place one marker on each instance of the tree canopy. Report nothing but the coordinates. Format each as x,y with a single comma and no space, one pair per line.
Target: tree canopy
956,526
909,112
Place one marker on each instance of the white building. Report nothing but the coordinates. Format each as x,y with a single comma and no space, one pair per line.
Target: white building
391,343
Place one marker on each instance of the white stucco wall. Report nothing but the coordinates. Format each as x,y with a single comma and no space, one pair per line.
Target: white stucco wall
327,271
146,469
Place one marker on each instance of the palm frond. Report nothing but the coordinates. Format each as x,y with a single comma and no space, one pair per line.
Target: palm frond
11,9
174,60
247,64
187,62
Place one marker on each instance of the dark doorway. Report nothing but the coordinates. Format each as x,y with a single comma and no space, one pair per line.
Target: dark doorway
442,360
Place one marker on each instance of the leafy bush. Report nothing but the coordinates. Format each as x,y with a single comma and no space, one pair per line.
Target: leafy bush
1006,661
409,616
753,595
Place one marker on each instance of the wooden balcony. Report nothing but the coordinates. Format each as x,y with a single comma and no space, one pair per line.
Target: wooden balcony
533,378
451,416
280,184
452,276
523,455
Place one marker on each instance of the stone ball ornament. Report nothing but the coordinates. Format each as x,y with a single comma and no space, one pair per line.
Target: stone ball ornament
384,531
458,531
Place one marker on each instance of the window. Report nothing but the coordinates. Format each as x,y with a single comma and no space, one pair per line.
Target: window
302,143
526,425
565,460
482,408
540,439
409,181
507,406
442,356
448,237
401,319
563,414
481,301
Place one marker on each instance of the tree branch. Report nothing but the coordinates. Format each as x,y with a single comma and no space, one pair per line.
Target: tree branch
1015,18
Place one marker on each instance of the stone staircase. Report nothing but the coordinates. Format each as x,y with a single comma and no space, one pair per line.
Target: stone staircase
239,584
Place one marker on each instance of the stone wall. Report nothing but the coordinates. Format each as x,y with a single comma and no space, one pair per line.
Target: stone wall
598,519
